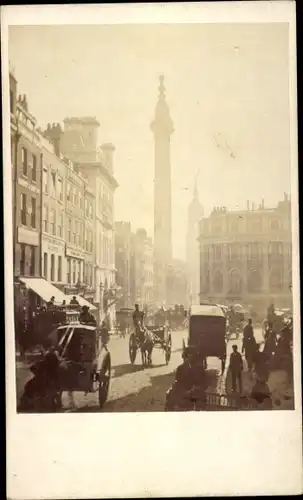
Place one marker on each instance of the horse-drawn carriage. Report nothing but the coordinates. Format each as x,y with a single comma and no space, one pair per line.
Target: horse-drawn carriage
207,331
76,361
145,338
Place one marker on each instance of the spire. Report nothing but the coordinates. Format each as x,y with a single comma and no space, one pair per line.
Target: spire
161,88
162,122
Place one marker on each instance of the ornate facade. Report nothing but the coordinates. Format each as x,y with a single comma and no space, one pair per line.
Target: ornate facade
246,256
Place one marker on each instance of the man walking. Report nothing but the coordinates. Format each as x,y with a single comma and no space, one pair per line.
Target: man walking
236,368
249,344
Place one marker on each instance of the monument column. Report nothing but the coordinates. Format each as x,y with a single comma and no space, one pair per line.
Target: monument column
162,128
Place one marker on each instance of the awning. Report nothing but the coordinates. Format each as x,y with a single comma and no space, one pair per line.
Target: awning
44,289
81,301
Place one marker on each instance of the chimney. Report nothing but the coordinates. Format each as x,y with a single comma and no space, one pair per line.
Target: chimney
262,203
107,153
54,134
247,205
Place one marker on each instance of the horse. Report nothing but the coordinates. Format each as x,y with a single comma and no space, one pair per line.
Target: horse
146,345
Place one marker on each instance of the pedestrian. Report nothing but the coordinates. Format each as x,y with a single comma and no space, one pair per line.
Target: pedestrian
270,340
74,301
249,345
236,368
51,303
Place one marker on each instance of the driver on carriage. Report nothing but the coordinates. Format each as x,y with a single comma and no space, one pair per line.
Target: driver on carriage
138,317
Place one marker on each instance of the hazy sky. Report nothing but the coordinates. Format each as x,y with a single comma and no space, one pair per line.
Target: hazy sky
227,88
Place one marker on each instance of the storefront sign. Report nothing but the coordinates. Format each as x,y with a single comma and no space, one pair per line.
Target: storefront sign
73,252
28,237
52,245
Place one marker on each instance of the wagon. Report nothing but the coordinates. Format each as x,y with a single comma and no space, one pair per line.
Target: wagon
161,340
85,362
207,332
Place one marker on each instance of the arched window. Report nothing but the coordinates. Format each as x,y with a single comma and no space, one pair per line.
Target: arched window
235,281
275,279
218,281
254,281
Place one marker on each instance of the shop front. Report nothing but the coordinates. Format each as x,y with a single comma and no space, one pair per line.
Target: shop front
75,270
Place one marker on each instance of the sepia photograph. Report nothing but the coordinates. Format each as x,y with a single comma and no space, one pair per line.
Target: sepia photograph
151,250
152,236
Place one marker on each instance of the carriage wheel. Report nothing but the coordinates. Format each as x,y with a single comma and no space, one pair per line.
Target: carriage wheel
132,348
104,379
168,350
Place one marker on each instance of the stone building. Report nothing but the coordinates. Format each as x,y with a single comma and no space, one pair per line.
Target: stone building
246,256
123,239
26,186
53,216
79,144
142,268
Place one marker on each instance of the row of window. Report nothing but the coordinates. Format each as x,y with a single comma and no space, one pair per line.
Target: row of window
53,223
77,272
52,184
240,225
30,209
55,271
29,164
106,248
235,282
252,250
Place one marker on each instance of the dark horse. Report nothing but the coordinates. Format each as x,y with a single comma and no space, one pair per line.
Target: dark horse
146,345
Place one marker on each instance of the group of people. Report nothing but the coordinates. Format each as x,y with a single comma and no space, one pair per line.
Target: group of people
276,351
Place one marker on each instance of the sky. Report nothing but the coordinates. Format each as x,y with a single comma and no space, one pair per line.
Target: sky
226,86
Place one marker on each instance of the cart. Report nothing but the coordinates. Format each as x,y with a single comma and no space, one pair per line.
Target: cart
161,340
85,361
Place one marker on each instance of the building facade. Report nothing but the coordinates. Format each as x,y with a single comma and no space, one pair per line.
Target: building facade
89,243
162,128
79,144
142,272
26,179
53,216
246,256
195,214
123,244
